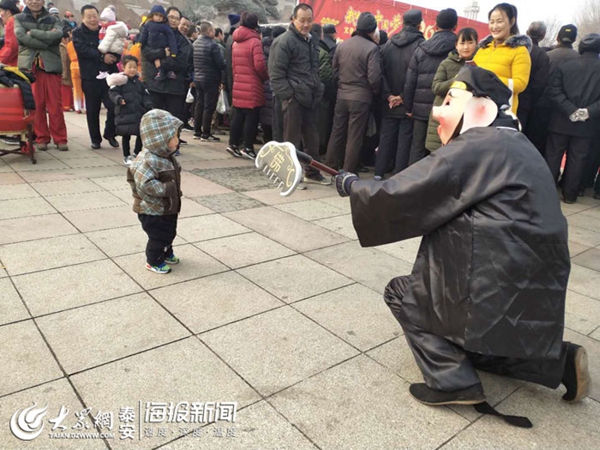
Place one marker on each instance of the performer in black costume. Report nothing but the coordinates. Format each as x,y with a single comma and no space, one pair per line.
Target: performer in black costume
488,287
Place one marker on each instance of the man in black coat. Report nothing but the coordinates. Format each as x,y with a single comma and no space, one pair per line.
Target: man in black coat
209,76
330,37
488,288
418,96
294,74
575,94
85,41
169,94
396,128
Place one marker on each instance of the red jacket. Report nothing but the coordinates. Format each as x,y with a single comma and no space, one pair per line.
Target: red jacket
10,52
249,69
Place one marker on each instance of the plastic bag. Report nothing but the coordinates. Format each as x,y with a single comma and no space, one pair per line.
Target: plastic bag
189,97
222,103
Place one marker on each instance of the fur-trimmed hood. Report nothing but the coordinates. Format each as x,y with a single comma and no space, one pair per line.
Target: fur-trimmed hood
116,79
518,40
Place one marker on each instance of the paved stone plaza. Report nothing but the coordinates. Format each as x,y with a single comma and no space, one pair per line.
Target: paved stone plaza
274,306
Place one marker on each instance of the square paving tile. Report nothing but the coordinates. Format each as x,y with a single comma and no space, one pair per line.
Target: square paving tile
341,225
102,219
48,164
26,207
123,241
326,408
290,231
405,250
112,183
584,236
185,371
355,313
270,195
17,191
258,426
212,226
294,278
586,221
239,179
576,249
277,349
582,314
26,358
194,264
190,208
66,187
37,227
228,202
589,259
214,301
338,202
67,287
85,201
55,395
77,163
11,306
556,424
49,253
195,186
375,269
584,281
311,210
10,177
244,249
85,337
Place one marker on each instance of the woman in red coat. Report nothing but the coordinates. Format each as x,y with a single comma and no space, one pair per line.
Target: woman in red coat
249,75
10,51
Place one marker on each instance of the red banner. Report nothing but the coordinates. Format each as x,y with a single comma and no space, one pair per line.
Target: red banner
344,15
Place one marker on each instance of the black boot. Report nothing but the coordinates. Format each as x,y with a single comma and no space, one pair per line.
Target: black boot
576,378
469,396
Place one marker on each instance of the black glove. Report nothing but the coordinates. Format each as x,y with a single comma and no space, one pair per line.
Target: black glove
343,182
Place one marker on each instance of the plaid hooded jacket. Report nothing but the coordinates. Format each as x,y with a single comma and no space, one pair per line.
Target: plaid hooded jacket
155,175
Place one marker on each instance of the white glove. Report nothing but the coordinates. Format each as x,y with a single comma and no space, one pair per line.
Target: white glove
583,114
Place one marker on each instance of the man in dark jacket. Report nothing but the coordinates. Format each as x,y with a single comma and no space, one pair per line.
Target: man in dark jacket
357,67
575,94
396,128
330,37
488,288
209,71
538,80
39,35
168,94
563,51
294,73
418,96
234,23
328,101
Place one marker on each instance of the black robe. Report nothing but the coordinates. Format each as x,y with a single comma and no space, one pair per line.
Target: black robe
492,270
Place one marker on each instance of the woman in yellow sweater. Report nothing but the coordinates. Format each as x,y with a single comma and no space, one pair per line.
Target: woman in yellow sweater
505,52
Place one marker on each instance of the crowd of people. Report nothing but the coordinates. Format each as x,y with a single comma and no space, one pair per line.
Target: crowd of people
366,101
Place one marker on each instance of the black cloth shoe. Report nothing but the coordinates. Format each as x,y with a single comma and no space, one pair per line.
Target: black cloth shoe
95,145
362,169
569,200
182,142
209,138
576,377
112,141
469,396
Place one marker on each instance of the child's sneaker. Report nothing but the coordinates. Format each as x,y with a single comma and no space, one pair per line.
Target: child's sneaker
162,268
127,161
102,75
160,76
171,75
130,158
172,259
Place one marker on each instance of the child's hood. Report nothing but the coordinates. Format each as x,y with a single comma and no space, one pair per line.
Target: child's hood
157,128
120,28
116,79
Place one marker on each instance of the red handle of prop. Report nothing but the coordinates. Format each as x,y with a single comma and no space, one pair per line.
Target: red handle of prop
309,161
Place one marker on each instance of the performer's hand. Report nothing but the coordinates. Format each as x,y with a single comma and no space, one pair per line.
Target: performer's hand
583,114
343,182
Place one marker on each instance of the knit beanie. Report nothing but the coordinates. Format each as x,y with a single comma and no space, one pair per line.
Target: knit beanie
590,43
234,20
108,15
446,19
366,23
413,17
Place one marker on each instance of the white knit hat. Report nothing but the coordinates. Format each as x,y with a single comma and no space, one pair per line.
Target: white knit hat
108,15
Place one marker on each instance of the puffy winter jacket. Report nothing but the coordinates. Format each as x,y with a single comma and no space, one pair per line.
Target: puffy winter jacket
155,175
137,102
418,96
39,37
85,42
294,68
180,64
10,51
510,61
442,81
209,65
396,55
114,40
249,69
